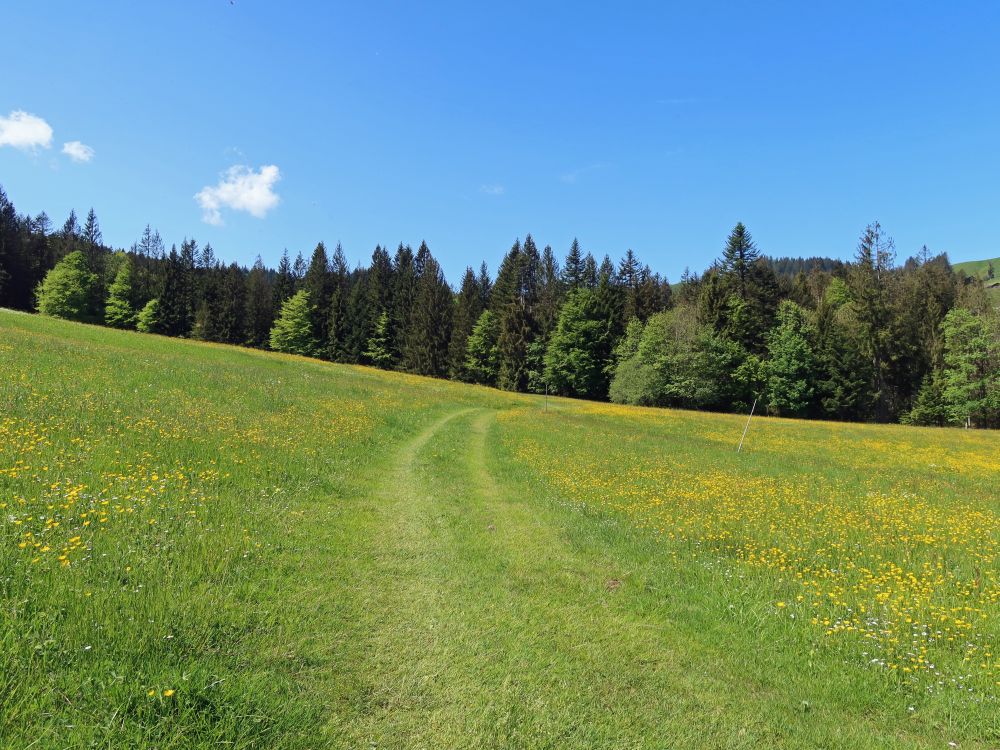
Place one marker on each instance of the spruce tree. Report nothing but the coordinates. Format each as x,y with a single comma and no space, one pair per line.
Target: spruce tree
317,282
292,332
573,267
468,307
482,357
148,320
378,349
430,321
260,305
337,334
284,282
738,256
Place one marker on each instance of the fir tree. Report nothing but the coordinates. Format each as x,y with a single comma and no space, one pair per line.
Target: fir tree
573,267
378,350
148,320
738,256
482,360
318,283
468,307
292,332
430,320
284,283
260,305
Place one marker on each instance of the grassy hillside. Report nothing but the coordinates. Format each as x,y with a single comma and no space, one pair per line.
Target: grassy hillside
207,546
980,270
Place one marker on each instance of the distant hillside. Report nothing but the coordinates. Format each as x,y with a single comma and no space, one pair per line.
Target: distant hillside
980,269
988,270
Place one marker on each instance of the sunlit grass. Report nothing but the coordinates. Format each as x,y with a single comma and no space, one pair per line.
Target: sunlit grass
205,546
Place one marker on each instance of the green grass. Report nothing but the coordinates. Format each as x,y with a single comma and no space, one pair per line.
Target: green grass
333,556
977,268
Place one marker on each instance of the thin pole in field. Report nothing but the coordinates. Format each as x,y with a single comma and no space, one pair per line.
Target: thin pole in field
546,397
747,426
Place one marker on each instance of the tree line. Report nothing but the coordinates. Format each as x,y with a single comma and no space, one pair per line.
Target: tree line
867,340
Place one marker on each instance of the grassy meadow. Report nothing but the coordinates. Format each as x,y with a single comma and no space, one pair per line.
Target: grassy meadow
205,546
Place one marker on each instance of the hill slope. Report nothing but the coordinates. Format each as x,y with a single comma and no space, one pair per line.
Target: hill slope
980,270
206,545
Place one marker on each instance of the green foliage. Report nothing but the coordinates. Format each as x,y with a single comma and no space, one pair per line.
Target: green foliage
931,406
482,360
379,349
572,363
67,289
118,312
972,368
791,362
148,319
292,332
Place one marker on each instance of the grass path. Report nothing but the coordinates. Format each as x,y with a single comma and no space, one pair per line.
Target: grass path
511,637
492,619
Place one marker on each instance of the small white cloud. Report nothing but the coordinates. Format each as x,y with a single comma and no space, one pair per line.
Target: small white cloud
24,131
491,189
78,152
240,189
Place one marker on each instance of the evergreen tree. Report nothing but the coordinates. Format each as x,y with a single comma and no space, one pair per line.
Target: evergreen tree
231,321
468,307
573,274
260,305
972,368
317,282
337,333
118,312
869,283
379,348
430,320
284,283
403,288
931,406
738,256
67,290
176,306
148,320
513,298
482,361
588,274
292,332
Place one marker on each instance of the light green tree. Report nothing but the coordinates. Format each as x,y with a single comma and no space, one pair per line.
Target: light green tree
118,311
66,290
148,319
292,332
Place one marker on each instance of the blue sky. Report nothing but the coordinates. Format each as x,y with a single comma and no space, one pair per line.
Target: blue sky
653,126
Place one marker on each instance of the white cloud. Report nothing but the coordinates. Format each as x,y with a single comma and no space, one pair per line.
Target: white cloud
78,152
24,131
240,189
491,189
